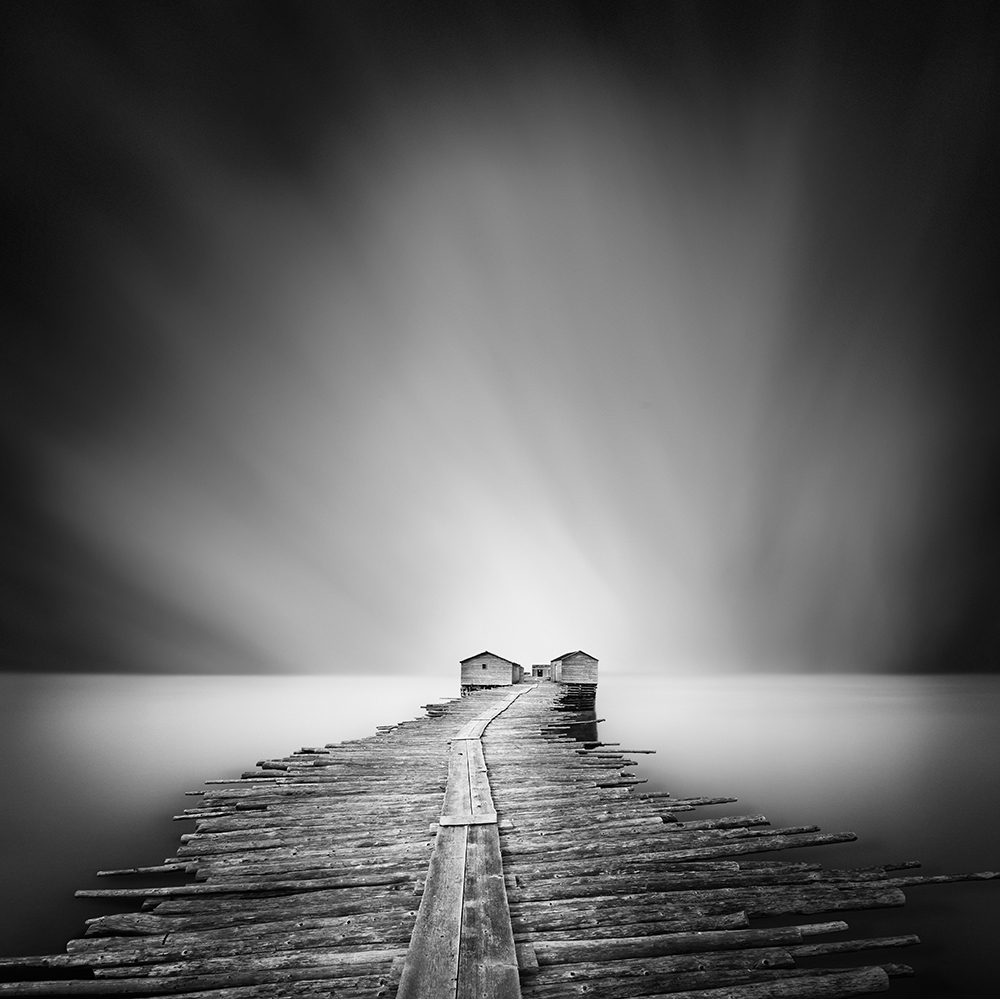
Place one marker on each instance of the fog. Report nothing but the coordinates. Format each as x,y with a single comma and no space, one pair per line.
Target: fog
513,343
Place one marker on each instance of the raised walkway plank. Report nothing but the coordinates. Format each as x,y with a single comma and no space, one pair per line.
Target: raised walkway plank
463,944
433,953
488,963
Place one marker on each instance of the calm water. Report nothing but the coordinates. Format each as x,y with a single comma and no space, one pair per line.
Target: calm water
95,765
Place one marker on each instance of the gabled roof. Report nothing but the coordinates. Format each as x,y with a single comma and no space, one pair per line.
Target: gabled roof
479,655
578,652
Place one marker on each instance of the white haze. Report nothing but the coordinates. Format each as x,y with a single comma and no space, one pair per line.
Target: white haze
524,374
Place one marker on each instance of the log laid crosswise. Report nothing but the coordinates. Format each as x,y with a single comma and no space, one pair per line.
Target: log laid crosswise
493,848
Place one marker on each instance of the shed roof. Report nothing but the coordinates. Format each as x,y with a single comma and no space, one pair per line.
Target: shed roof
578,652
479,655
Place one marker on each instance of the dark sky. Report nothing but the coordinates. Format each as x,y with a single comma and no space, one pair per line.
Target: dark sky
354,337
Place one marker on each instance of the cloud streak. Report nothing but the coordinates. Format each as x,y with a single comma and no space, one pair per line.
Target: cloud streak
536,356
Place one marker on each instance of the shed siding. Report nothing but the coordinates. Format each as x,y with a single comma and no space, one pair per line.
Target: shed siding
487,671
579,669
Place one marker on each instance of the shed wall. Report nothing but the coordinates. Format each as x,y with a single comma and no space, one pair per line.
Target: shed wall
497,673
579,669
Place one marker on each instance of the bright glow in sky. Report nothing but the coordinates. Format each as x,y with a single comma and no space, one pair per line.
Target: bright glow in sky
537,354
531,397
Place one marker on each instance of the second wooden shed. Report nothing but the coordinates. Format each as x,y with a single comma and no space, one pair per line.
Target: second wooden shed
575,667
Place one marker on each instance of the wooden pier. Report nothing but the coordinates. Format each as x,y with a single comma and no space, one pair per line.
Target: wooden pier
483,850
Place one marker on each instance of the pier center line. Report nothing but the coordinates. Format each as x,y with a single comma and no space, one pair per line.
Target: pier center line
463,942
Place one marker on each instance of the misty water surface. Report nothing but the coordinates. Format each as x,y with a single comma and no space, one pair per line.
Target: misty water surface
97,764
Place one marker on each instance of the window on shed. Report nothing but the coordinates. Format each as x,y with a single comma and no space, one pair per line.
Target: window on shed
484,665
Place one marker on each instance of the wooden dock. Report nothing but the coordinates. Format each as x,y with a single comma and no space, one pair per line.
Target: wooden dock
482,850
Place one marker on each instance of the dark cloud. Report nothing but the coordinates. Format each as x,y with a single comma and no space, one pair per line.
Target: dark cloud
357,336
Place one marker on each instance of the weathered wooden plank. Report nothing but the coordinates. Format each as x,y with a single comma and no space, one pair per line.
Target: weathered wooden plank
286,886
479,784
566,951
43,961
831,985
565,880
670,802
559,980
667,836
482,819
155,869
354,822
261,932
335,902
761,902
336,867
333,786
125,951
351,987
576,926
317,841
123,928
431,966
940,879
487,961
317,850
729,848
530,795
758,898
458,794
127,924
850,946
332,960
172,985
717,982
341,828
412,826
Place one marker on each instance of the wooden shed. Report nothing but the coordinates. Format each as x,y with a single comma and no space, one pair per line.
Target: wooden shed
489,670
575,667
541,671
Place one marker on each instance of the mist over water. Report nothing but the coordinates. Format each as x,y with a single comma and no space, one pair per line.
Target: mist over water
488,354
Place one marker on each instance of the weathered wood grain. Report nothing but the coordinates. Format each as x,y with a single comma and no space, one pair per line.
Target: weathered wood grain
432,958
488,961
830,985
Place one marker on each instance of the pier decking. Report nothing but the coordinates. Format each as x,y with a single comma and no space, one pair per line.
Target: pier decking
481,850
